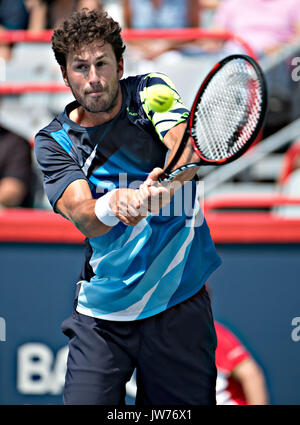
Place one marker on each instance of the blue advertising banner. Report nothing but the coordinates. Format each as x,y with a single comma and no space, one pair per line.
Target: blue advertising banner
255,293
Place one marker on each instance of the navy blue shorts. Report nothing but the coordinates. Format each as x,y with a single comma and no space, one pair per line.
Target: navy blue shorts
173,353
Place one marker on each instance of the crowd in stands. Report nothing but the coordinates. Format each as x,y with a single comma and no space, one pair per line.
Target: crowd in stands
18,179
266,25
36,15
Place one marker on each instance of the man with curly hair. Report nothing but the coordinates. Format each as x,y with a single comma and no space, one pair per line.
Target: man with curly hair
140,301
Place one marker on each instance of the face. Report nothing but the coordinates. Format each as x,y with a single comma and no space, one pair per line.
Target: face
93,76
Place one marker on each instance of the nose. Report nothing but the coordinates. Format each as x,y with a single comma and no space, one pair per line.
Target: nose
93,76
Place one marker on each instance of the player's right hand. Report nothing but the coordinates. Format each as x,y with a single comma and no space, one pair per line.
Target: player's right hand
132,205
125,205
152,195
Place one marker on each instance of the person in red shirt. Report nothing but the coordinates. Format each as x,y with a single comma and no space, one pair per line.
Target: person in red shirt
240,380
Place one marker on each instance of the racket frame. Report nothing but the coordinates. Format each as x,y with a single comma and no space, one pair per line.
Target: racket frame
200,93
167,174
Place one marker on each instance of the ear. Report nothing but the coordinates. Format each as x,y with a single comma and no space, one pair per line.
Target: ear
121,68
64,75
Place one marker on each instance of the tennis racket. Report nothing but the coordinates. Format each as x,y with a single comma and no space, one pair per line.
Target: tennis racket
226,116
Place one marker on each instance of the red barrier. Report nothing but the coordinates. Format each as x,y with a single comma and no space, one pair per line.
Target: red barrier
30,225
39,226
248,200
246,227
10,88
25,36
186,34
257,226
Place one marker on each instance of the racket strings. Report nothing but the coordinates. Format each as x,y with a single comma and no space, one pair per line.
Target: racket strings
229,111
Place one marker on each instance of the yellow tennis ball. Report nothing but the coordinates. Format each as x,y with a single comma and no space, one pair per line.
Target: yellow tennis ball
160,98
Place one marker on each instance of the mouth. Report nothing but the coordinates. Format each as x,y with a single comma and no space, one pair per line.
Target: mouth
95,92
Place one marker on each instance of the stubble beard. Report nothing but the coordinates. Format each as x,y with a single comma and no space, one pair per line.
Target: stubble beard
94,105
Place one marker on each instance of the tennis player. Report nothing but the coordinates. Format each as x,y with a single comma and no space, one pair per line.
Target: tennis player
140,300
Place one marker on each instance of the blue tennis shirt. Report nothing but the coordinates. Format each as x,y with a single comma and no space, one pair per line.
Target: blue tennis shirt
132,272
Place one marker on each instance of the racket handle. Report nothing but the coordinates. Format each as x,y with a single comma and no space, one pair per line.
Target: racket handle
168,177
163,177
178,153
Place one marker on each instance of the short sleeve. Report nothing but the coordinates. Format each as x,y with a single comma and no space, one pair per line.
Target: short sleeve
164,121
58,168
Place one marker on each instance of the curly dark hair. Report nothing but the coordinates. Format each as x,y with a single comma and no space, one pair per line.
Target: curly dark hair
83,28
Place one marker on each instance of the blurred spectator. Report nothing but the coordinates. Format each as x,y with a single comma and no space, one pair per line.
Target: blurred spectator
149,14
266,25
207,11
240,380
15,170
160,13
20,15
58,10
36,14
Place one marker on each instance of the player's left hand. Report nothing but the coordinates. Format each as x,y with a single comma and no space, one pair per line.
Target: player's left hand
152,195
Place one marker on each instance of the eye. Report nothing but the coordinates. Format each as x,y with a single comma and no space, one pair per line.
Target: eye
81,67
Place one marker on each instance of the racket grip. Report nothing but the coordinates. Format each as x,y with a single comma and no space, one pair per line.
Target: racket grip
168,177
163,177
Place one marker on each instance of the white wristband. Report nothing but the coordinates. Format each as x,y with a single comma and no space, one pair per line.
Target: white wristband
103,211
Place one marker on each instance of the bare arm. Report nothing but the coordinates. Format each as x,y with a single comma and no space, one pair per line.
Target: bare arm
77,205
12,192
193,13
126,13
251,377
37,14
